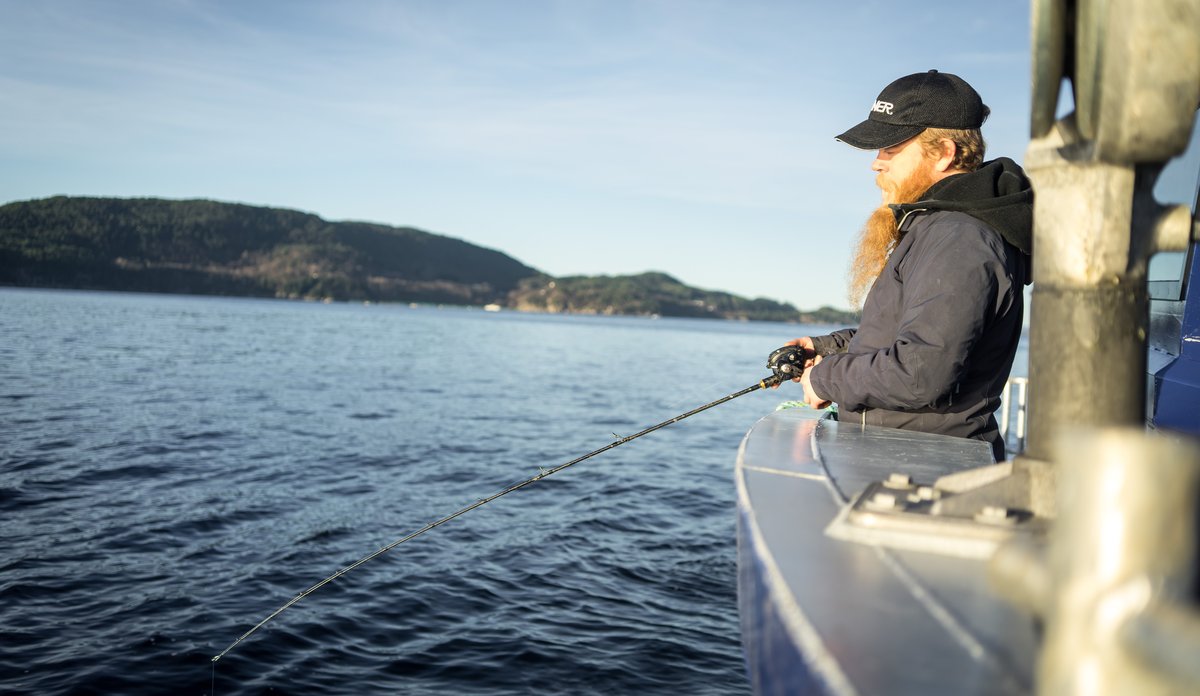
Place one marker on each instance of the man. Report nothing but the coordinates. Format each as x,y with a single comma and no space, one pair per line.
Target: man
942,262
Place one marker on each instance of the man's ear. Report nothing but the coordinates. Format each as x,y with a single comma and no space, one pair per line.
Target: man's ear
945,161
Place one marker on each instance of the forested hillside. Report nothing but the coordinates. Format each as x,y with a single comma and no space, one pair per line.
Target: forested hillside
207,247
214,248
656,294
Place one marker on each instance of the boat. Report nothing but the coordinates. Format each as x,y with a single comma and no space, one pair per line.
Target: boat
874,560
1173,353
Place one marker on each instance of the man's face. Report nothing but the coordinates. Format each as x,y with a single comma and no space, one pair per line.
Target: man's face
903,173
897,165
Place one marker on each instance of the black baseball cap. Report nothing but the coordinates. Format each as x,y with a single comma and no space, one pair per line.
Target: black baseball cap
913,103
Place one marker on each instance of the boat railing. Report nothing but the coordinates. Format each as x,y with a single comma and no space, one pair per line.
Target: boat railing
1012,414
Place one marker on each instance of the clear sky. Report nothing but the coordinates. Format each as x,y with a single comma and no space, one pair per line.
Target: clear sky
693,137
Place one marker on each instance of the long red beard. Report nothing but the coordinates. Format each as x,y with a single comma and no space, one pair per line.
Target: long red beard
881,232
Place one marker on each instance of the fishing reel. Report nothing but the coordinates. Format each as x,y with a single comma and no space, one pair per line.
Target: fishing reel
789,362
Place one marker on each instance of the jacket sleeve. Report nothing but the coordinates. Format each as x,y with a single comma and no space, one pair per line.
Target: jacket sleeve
949,280
836,342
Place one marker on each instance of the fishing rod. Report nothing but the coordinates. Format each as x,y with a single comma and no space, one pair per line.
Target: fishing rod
783,371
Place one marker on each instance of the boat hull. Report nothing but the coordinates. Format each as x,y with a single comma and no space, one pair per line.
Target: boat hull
827,616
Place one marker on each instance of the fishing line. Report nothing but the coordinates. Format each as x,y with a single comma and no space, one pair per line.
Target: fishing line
771,381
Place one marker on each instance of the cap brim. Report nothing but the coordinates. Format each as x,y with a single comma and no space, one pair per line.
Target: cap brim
876,135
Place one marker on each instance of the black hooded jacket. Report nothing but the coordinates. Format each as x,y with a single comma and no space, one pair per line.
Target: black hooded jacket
941,324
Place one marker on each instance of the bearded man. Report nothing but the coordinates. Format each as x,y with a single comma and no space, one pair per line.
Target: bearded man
942,263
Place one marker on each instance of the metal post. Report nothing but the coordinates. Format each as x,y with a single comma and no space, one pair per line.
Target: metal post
1134,67
1090,308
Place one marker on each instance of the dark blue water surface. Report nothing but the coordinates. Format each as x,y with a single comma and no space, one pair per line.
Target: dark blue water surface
173,469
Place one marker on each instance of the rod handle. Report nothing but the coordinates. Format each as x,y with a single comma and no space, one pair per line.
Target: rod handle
773,381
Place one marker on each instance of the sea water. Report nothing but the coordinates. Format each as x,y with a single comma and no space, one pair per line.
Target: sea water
175,468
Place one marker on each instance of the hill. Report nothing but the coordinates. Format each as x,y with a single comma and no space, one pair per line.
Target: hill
214,248
206,247
655,294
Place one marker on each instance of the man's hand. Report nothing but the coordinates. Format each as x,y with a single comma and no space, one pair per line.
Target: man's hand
811,397
781,362
792,359
810,352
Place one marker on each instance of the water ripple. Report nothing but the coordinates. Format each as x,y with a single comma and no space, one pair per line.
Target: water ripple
197,462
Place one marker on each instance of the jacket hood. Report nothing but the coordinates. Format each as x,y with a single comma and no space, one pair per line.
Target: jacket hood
998,194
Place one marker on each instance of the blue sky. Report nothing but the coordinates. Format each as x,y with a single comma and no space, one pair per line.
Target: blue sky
598,137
